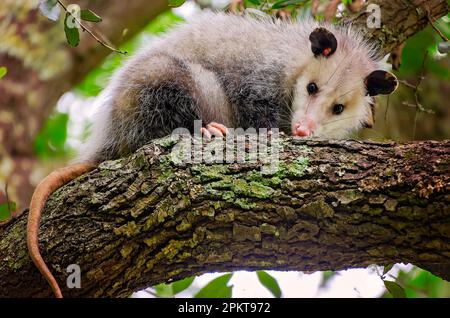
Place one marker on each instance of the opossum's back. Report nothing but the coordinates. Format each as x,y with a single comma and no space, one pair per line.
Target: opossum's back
223,37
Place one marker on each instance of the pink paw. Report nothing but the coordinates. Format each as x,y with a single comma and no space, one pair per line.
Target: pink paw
213,129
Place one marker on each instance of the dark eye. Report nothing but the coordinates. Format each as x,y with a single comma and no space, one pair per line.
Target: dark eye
312,88
338,108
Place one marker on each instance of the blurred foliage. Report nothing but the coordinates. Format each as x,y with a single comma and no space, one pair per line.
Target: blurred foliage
418,283
415,48
394,289
50,142
269,282
6,210
170,290
217,288
3,71
73,20
327,277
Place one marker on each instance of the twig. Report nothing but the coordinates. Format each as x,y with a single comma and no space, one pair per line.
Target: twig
84,28
407,84
419,107
150,292
435,28
386,111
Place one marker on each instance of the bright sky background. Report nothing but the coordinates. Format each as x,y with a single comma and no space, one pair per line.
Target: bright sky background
349,283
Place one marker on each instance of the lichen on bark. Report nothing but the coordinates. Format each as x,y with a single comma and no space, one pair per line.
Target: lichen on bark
144,219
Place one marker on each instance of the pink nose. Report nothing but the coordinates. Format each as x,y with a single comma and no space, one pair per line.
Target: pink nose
303,130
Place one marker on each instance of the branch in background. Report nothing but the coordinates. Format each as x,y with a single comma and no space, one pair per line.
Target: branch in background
84,28
399,20
331,9
49,8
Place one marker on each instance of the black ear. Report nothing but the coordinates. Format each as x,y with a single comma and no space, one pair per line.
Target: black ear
380,82
323,42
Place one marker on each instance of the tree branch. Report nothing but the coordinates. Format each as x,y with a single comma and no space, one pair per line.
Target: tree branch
143,220
400,19
330,205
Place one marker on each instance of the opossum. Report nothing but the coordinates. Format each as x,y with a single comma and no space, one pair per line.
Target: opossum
303,77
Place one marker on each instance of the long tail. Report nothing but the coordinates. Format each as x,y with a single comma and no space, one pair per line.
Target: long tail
46,187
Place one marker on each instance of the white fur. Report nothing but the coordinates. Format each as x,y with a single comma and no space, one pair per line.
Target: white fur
222,38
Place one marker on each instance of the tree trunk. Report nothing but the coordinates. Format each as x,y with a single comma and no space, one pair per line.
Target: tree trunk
328,205
41,67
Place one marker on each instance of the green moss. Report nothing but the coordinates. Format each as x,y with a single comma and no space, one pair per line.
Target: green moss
252,189
244,204
296,168
210,172
225,183
228,196
165,174
167,142
129,229
256,176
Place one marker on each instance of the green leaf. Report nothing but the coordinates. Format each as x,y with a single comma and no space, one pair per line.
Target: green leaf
387,268
3,71
6,210
217,288
88,15
395,289
257,2
285,3
326,277
269,282
50,9
72,33
164,290
179,286
176,3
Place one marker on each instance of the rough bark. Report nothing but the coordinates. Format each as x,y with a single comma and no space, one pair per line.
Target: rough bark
41,67
142,220
329,205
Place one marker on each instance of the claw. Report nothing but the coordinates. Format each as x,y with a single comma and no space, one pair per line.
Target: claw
223,129
205,133
213,129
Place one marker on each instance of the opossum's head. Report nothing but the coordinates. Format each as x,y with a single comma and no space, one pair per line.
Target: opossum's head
334,93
